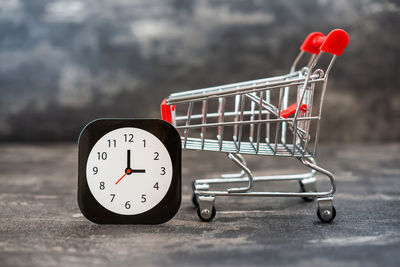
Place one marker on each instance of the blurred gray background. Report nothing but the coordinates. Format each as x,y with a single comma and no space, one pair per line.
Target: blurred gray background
64,63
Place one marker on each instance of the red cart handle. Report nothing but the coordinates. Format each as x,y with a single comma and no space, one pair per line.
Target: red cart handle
166,111
334,43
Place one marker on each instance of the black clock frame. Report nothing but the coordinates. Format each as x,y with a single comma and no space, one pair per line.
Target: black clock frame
166,208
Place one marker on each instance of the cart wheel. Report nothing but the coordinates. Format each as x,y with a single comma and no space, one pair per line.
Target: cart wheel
325,215
194,200
302,190
204,216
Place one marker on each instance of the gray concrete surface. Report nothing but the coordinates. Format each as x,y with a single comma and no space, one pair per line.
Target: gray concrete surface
41,224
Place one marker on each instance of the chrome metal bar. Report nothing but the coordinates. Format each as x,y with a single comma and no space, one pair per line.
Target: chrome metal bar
279,115
248,172
246,148
236,114
260,106
189,113
263,194
257,100
203,121
221,110
232,123
235,85
269,178
231,92
267,125
266,105
240,122
252,108
216,115
284,106
236,175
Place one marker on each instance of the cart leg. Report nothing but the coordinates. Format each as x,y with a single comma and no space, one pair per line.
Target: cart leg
236,175
206,210
250,176
308,185
198,186
326,212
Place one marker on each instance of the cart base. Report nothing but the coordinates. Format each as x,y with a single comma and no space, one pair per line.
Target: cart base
204,198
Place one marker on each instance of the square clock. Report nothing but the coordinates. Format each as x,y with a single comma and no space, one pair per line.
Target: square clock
129,171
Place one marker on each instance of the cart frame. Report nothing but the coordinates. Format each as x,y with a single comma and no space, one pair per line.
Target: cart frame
283,136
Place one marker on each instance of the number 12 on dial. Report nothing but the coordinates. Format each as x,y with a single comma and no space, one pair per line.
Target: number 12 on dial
129,171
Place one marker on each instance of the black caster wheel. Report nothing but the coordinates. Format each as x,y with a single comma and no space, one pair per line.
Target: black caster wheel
204,217
326,218
194,200
302,190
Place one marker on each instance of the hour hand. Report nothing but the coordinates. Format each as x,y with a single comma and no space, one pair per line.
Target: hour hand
138,171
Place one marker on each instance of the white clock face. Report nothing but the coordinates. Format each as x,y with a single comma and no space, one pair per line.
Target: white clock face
129,171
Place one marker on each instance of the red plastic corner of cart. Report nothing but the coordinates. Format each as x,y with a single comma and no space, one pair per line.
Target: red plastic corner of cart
166,111
335,42
292,109
312,43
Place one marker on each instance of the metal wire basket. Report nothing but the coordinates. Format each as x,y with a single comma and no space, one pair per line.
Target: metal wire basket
277,116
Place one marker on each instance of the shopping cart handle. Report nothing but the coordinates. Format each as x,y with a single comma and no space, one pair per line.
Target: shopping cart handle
292,109
312,43
334,43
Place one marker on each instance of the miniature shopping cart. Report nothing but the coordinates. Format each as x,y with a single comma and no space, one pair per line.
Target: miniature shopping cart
278,116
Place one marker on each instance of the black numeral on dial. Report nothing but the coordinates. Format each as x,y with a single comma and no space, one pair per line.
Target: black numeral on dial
112,143
128,138
102,186
101,155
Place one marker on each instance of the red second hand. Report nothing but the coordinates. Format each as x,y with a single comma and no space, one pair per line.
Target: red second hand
121,178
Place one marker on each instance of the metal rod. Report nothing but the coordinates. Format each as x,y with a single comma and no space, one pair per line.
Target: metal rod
259,125
235,91
231,123
235,85
277,124
236,114
189,113
203,121
268,127
221,109
252,108
241,122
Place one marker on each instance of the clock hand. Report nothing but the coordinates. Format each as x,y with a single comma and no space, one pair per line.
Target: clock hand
128,169
138,171
128,158
121,177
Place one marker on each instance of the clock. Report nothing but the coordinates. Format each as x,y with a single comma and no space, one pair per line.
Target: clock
129,171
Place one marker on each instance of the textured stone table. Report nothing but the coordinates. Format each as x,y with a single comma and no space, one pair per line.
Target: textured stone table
41,224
